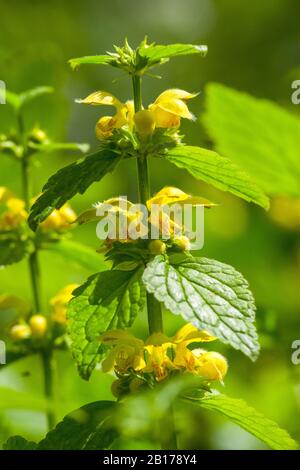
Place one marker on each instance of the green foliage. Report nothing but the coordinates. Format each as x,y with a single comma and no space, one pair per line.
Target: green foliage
87,428
92,59
155,54
209,294
210,167
141,59
70,180
17,101
14,246
249,419
19,443
78,254
46,147
258,135
107,300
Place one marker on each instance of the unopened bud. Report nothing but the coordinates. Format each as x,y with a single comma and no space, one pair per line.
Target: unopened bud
38,325
144,122
20,332
157,247
183,243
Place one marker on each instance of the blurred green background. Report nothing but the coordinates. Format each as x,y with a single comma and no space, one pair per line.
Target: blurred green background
253,46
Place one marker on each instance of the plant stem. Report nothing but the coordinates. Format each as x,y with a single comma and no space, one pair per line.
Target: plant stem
34,271
47,362
155,322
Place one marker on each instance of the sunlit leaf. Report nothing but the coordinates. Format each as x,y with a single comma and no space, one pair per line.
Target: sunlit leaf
209,294
249,419
155,53
92,59
107,300
210,167
71,180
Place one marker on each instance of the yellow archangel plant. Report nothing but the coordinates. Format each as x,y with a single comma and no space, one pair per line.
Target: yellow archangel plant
159,275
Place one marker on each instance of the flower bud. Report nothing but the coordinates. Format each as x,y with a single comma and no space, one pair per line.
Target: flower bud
144,122
183,243
157,247
20,332
38,325
213,366
38,136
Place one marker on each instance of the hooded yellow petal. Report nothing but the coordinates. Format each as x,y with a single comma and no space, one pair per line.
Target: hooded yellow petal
190,334
167,195
164,119
5,194
101,98
174,94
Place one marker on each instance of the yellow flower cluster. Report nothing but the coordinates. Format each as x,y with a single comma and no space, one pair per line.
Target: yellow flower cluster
15,214
126,213
161,355
166,112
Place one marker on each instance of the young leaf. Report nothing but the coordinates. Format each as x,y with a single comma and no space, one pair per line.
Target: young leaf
79,254
19,100
19,443
59,146
87,428
249,419
92,59
70,180
29,95
210,295
14,246
155,53
107,300
260,136
210,167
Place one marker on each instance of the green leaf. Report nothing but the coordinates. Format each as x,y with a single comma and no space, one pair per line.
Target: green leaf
70,180
107,300
249,419
210,167
92,59
14,246
78,253
87,428
21,99
36,92
148,412
210,295
19,443
59,146
156,53
260,136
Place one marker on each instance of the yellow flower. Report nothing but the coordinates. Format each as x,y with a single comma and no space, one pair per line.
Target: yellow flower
157,361
59,219
15,214
59,303
127,352
161,355
170,107
106,124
